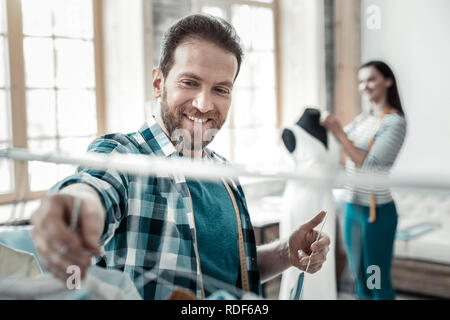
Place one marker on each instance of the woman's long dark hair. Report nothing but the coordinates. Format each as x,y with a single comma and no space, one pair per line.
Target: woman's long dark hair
393,98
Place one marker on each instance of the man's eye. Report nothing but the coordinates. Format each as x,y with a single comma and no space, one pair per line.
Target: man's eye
223,90
189,83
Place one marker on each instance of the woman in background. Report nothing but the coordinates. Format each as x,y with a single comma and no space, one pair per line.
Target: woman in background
372,142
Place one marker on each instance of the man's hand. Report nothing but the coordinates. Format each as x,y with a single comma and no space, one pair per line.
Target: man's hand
304,239
57,245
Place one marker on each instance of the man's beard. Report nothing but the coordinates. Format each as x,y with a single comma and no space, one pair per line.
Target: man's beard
189,139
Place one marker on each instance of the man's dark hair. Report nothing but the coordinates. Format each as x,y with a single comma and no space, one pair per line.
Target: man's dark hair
203,26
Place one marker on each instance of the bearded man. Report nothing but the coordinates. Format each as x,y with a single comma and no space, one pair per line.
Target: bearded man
166,231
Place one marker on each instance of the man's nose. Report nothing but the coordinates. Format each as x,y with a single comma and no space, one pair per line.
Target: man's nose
203,101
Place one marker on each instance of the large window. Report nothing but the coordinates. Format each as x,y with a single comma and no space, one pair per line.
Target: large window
54,104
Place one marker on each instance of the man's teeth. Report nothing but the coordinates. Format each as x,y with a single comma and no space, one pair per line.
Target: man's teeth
197,120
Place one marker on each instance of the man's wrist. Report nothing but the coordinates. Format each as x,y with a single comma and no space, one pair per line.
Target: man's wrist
87,193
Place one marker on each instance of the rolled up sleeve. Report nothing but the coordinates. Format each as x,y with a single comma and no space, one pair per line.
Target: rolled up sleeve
111,186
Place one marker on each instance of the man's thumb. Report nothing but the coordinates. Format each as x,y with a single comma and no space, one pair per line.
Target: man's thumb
311,224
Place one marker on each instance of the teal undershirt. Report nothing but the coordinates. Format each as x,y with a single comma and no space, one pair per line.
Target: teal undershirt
215,221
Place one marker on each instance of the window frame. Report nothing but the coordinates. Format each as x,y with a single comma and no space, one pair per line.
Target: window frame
17,90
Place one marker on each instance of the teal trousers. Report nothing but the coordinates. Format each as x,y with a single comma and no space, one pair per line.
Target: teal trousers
370,248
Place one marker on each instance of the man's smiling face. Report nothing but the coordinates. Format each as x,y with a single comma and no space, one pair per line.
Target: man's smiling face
196,94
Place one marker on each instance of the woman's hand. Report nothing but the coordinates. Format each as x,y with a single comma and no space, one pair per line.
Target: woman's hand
332,123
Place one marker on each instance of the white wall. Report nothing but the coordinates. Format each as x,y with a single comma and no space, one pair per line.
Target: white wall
414,38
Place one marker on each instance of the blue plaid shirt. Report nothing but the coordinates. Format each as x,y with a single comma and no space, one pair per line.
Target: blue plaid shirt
149,225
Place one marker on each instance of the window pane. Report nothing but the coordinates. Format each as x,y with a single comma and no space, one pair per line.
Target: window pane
39,71
264,112
45,175
75,68
3,62
258,70
241,20
4,117
215,11
42,175
42,145
75,146
254,25
37,17
41,115
5,174
2,16
73,18
263,67
76,112
242,108
254,108
262,35
245,77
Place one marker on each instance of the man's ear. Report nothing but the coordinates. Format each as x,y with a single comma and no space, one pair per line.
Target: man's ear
158,82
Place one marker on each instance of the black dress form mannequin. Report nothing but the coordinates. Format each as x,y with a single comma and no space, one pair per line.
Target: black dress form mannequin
310,122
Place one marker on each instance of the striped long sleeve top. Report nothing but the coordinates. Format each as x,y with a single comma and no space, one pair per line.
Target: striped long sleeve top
390,133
